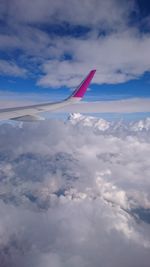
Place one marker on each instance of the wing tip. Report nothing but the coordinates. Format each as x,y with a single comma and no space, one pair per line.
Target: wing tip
84,85
94,70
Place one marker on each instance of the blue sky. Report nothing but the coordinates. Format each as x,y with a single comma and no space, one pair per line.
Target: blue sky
47,48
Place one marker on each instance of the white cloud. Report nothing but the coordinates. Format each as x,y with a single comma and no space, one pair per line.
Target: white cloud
99,13
117,58
116,106
11,69
119,54
68,194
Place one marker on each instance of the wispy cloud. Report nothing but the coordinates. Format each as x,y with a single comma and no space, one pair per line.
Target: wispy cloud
11,69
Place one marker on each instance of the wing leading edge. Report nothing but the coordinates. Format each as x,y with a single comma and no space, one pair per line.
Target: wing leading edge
29,113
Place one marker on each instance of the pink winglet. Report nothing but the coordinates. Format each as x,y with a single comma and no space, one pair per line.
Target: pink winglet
84,85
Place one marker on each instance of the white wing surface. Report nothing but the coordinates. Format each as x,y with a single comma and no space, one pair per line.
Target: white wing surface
29,113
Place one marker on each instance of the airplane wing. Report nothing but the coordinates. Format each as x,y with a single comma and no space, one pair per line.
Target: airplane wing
29,113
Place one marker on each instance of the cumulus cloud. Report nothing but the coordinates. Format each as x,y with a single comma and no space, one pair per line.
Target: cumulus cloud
109,43
82,13
117,58
72,191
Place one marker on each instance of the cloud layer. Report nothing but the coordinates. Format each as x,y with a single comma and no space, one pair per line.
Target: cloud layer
72,193
117,106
